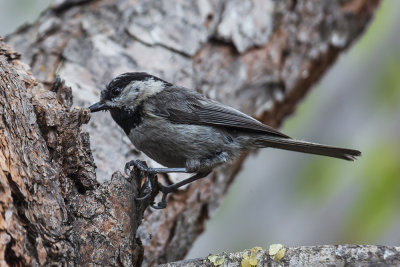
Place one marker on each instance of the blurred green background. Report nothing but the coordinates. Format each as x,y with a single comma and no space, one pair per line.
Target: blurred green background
297,199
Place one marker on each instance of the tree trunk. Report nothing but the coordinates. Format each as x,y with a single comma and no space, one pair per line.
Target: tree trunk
258,56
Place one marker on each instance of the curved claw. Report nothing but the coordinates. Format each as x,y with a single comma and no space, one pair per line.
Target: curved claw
163,203
159,206
144,197
148,189
137,163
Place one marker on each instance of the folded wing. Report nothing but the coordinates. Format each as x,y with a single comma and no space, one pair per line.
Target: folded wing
193,108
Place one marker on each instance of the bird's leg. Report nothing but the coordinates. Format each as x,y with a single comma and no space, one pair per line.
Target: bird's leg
166,189
147,188
146,170
141,166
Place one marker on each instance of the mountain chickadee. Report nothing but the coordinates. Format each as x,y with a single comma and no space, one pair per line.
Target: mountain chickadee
187,132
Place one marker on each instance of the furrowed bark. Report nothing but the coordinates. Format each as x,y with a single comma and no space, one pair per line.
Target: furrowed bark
263,70
53,211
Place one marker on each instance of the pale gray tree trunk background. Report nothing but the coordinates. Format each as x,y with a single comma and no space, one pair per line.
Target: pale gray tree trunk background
258,56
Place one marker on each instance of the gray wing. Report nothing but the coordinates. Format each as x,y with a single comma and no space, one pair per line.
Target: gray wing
184,106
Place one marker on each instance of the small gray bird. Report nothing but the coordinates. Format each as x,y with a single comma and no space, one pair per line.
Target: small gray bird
187,132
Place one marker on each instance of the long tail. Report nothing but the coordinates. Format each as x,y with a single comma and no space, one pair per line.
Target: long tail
307,147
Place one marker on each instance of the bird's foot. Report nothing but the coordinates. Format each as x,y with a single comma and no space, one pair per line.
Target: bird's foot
165,191
146,188
141,165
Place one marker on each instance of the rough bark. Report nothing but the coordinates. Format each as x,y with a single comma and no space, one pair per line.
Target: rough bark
334,255
53,211
258,56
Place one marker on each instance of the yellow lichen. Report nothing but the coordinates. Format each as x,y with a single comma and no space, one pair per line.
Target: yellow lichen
248,261
216,259
277,251
245,260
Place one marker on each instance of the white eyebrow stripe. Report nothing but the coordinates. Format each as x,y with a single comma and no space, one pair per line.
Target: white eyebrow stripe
152,87
137,91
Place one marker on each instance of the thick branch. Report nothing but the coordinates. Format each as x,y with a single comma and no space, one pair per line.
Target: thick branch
335,255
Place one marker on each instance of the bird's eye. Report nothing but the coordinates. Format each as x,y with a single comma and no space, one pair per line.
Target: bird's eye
116,91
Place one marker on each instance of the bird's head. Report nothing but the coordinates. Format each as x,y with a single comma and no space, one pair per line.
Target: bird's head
128,90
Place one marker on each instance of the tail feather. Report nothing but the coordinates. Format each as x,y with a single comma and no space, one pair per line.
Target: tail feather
308,147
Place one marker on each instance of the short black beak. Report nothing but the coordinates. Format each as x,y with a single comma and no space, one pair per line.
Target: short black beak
97,107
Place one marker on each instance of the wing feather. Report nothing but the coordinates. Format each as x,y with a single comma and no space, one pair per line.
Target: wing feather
193,108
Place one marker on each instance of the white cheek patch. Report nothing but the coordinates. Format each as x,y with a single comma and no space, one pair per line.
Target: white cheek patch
127,99
149,88
137,91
